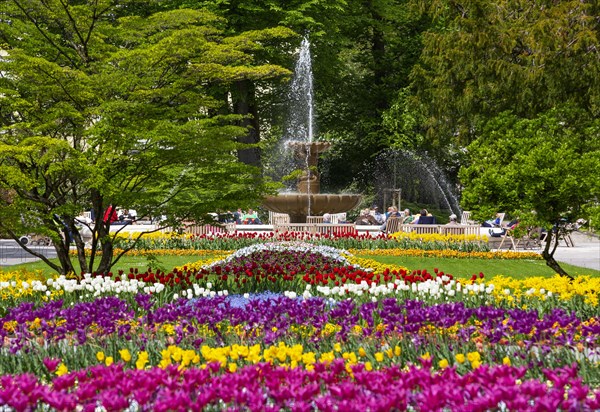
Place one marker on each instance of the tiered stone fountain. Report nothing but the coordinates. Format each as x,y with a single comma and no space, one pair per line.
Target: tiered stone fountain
308,201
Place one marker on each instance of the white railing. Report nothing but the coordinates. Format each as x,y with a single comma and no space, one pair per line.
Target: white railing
458,230
316,228
278,218
199,230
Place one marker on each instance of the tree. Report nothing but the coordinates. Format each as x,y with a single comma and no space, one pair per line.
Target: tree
542,170
260,106
484,57
99,109
378,44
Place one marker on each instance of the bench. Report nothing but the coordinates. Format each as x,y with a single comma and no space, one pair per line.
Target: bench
339,229
456,230
199,230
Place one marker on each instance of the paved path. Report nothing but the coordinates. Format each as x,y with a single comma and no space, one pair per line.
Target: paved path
13,254
586,252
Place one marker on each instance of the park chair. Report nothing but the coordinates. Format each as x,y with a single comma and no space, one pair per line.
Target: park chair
532,239
279,218
392,225
314,219
465,218
508,234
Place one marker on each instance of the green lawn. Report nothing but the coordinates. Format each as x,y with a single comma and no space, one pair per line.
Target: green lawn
463,268
164,263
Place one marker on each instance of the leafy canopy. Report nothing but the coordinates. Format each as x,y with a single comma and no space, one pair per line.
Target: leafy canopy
100,107
546,165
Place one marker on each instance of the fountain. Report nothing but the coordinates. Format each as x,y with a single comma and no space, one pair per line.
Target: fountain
307,200
414,178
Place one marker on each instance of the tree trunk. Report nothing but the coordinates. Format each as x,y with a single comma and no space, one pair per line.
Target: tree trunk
80,245
62,246
245,104
552,241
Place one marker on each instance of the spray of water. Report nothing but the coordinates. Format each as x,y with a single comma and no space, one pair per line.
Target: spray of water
418,178
300,124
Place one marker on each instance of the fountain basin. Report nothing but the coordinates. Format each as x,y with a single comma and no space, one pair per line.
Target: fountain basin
297,204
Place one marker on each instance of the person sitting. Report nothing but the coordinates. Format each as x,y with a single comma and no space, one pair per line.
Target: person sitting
452,221
110,215
238,216
408,217
123,218
425,218
493,222
251,218
501,231
379,217
366,218
326,218
392,213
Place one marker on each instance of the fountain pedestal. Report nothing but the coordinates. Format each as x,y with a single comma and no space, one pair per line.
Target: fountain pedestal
307,201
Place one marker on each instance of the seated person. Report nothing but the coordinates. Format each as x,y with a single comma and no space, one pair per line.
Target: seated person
377,214
251,218
493,222
326,218
452,221
408,217
110,215
366,218
425,218
501,231
124,218
237,216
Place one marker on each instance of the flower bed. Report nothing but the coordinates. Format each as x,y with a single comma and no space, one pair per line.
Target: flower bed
226,241
311,328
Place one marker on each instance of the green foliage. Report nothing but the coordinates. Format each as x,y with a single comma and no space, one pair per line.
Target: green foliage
545,167
101,108
484,57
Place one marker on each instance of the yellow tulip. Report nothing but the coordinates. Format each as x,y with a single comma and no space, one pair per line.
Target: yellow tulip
142,360
61,370
125,355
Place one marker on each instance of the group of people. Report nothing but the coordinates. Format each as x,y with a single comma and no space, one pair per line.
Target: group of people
116,216
373,216
246,218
